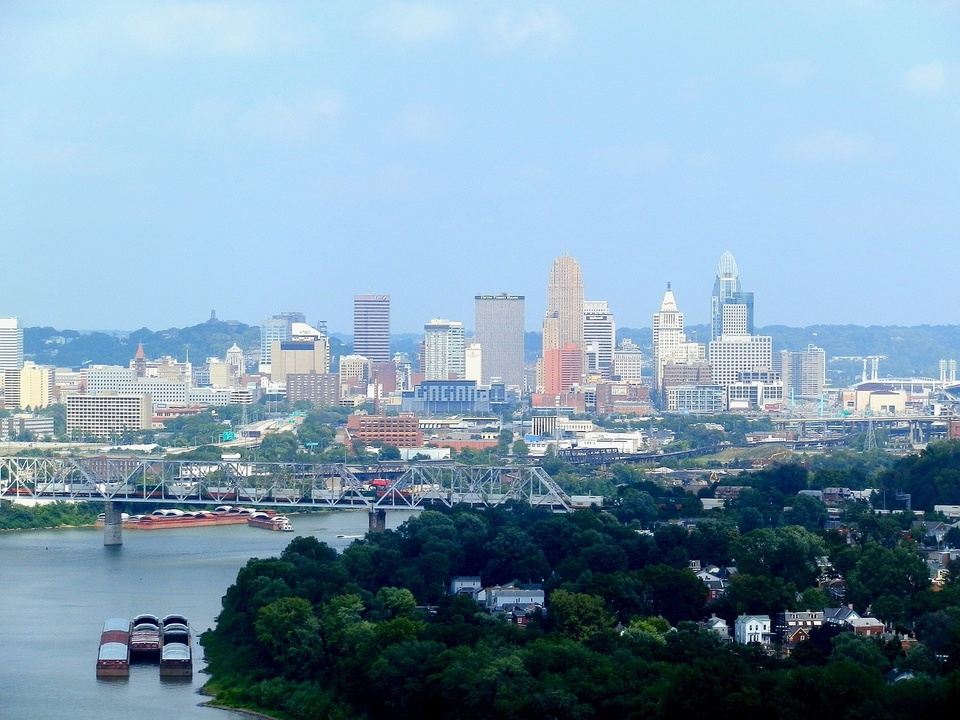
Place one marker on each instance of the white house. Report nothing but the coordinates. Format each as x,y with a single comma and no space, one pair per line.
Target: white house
466,585
752,629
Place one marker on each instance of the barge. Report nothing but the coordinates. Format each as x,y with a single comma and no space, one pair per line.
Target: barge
176,656
145,637
113,658
267,521
171,518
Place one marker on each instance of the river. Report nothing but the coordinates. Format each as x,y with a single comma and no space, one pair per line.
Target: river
58,586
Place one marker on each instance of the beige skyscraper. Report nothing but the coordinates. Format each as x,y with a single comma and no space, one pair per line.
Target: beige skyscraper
565,299
563,326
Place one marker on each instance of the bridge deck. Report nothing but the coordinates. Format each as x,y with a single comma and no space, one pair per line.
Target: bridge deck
288,485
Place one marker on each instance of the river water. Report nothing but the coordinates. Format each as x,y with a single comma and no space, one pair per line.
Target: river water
58,586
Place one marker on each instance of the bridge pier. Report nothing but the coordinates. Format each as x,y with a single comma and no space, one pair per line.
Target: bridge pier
112,526
378,520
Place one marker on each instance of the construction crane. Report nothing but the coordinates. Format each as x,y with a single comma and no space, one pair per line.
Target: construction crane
873,360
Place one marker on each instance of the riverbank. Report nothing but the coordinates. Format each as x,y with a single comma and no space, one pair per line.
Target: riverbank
14,516
214,702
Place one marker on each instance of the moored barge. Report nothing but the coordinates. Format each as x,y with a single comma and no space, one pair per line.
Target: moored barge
113,658
171,518
176,656
145,637
267,521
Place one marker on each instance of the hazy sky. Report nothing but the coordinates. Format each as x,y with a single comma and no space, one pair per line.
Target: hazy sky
158,160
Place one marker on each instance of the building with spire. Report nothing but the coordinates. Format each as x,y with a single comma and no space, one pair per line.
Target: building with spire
670,344
731,309
740,361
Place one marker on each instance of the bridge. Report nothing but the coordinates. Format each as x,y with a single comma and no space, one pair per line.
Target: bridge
291,485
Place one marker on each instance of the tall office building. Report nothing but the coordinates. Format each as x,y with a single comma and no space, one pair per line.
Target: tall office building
668,335
276,328
627,362
731,309
36,386
599,337
371,327
732,356
443,350
803,372
11,344
563,326
499,330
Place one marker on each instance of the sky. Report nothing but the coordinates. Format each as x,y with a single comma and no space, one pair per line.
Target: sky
159,160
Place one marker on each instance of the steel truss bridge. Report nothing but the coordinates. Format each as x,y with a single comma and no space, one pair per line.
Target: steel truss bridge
291,486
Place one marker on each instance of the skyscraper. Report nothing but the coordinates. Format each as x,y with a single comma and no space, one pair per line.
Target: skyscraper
668,335
599,337
737,319
803,372
371,327
11,361
11,344
499,330
443,350
276,328
563,326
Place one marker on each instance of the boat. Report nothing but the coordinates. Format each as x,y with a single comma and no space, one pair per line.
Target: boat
113,658
176,656
145,637
269,521
171,518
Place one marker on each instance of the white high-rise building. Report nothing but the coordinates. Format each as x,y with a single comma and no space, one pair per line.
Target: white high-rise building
599,337
11,344
732,355
628,362
473,363
443,350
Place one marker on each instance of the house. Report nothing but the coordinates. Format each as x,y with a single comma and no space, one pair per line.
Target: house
840,615
794,627
752,629
869,626
716,585
506,598
717,625
466,585
935,530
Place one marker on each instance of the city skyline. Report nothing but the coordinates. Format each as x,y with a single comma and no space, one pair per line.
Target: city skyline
294,155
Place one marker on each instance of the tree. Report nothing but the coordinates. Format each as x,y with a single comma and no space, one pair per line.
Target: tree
672,593
289,631
862,651
578,615
389,452
521,449
879,571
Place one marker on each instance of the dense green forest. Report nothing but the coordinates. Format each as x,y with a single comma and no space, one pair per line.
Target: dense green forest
21,517
373,632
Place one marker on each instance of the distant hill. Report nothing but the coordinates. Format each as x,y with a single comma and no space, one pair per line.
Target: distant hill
911,351
69,348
